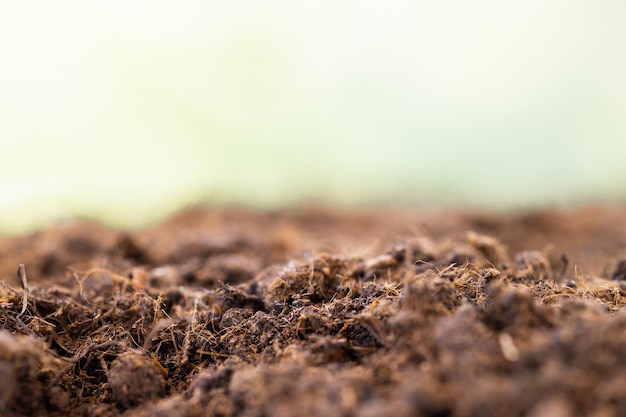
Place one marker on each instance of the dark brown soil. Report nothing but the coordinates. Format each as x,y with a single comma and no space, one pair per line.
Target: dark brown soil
316,312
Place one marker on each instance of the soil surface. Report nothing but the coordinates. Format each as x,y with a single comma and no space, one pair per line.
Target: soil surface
318,312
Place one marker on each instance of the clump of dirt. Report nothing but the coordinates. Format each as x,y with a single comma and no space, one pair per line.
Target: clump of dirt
233,312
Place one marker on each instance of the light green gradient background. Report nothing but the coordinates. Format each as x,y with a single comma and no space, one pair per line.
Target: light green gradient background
126,111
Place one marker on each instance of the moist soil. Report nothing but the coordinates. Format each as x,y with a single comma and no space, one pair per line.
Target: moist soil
318,312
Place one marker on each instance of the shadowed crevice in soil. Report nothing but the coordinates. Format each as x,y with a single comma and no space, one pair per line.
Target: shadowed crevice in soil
232,312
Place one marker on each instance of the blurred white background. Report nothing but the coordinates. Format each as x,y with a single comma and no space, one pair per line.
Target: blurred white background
126,111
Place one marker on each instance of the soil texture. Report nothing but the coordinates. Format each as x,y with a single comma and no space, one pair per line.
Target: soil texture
318,312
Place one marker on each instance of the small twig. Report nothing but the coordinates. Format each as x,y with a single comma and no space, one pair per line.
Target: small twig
565,261
156,328
190,329
85,350
21,274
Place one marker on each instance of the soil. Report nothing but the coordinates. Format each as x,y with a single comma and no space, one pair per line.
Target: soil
319,312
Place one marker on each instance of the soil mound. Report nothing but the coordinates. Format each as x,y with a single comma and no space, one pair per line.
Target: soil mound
317,312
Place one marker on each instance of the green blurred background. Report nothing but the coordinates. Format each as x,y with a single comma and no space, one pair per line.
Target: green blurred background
127,111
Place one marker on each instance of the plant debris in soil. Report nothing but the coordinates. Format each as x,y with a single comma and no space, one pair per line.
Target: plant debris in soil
318,312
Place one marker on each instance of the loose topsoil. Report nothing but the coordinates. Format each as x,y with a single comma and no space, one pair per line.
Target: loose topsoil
316,312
